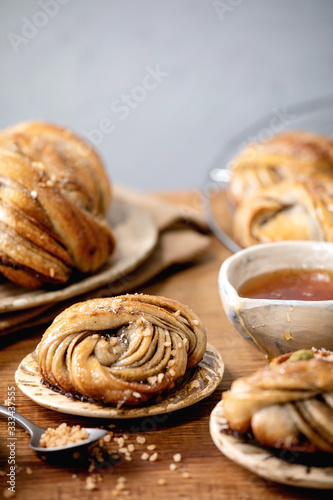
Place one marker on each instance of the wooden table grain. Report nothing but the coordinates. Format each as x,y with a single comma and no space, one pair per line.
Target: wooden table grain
203,472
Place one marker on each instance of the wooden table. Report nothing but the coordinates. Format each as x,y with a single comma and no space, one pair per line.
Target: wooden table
203,473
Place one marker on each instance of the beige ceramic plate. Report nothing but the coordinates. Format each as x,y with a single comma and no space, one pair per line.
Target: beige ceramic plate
136,236
198,383
263,462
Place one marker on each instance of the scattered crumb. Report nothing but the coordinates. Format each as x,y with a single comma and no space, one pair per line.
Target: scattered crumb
120,486
105,449
116,492
186,475
153,457
91,483
120,441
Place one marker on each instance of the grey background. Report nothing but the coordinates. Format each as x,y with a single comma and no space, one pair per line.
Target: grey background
225,63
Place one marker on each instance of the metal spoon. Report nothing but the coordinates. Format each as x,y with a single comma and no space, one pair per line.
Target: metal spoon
36,433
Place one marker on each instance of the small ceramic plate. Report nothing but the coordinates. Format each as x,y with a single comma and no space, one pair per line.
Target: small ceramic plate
136,235
262,461
196,385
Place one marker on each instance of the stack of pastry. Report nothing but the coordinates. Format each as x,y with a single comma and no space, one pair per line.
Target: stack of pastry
282,189
54,196
121,350
288,404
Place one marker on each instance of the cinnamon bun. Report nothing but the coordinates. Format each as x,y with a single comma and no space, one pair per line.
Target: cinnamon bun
121,350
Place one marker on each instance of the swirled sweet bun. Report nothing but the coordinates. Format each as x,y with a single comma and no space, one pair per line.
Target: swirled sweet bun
293,155
121,350
282,189
54,196
288,404
289,210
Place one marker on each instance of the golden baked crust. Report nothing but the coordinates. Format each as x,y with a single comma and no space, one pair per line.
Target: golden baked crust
54,195
282,189
121,350
288,404
289,210
294,155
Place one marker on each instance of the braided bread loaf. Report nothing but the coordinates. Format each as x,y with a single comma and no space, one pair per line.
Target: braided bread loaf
54,195
121,350
288,404
282,189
